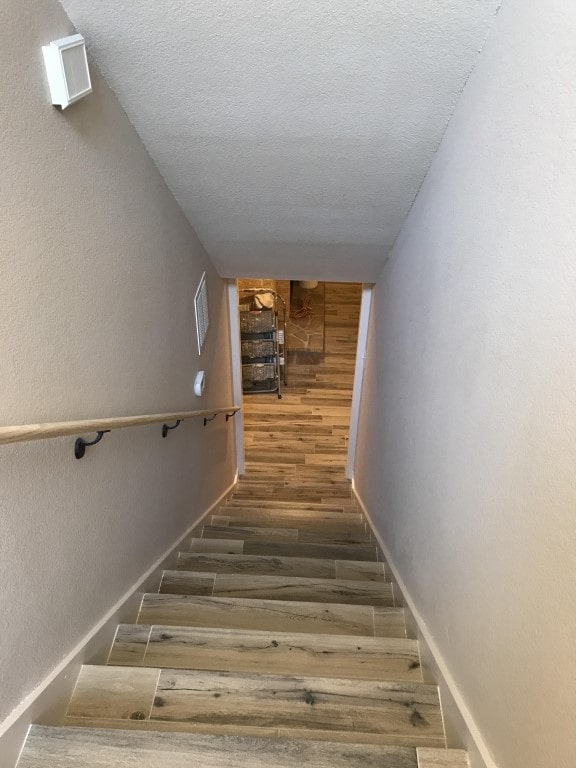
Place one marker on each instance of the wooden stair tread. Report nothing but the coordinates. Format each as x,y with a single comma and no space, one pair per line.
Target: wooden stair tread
296,493
272,615
244,730
286,549
247,532
265,565
380,711
98,747
303,506
333,551
316,515
301,521
292,517
368,658
277,588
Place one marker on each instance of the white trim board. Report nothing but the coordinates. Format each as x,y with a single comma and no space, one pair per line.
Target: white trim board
363,325
236,368
48,701
458,718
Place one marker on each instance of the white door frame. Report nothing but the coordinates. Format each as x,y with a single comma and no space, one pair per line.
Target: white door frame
236,366
363,324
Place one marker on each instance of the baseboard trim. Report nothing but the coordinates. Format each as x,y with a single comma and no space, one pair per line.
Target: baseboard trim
48,701
462,725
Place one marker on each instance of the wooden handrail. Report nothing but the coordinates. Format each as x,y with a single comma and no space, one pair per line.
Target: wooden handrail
27,432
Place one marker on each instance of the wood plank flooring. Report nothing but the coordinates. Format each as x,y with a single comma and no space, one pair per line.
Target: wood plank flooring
276,640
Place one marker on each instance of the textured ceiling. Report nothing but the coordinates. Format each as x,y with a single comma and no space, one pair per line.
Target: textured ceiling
295,134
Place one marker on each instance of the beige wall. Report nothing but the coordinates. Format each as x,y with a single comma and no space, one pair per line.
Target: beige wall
467,445
98,268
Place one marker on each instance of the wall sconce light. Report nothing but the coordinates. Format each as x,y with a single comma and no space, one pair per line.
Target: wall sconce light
67,69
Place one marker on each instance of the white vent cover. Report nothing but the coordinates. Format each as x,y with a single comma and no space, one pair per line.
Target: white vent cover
201,308
67,69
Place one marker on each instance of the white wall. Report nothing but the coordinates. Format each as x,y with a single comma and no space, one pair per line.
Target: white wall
98,268
467,447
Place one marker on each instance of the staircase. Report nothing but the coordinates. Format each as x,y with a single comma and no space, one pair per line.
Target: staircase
277,641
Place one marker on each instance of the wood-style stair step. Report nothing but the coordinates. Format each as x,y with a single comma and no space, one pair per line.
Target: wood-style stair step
289,494
326,510
320,514
277,588
336,709
98,747
301,506
271,615
333,521
299,535
367,552
289,653
262,565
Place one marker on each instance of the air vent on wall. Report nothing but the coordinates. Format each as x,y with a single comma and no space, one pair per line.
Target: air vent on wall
67,70
201,309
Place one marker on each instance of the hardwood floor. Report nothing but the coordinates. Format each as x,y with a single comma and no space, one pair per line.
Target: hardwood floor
277,640
314,411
